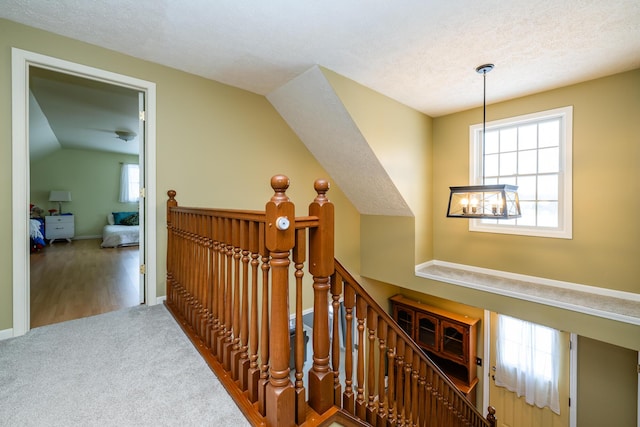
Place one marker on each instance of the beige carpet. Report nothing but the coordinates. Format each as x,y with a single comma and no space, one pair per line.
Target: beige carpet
132,367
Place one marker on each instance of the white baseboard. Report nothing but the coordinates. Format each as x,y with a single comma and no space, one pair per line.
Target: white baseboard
6,334
87,237
161,299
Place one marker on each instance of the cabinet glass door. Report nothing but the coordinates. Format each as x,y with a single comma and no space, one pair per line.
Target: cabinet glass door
404,317
453,340
427,332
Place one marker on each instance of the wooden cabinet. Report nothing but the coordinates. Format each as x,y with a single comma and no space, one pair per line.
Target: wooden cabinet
59,227
449,339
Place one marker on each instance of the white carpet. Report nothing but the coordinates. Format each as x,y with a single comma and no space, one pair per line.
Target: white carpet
133,367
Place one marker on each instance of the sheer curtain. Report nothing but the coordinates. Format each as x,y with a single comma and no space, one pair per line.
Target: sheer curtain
528,361
129,183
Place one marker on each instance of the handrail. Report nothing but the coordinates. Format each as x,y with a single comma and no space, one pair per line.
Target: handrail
228,287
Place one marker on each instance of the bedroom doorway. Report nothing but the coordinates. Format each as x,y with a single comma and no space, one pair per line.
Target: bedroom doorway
23,63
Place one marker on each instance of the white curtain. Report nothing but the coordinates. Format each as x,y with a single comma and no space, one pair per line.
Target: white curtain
129,184
528,361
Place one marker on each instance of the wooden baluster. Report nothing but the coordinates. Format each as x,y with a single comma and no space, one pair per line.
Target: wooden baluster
361,315
299,257
264,330
415,376
171,203
336,292
203,294
348,401
391,384
243,364
423,395
237,299
229,297
372,325
216,296
321,266
400,381
280,239
382,343
210,282
254,369
222,283
491,416
408,365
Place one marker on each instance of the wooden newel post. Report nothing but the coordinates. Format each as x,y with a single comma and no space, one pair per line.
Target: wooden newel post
491,416
280,239
321,266
171,203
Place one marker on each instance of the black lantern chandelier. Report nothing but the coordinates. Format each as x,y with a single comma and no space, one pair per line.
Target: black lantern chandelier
497,201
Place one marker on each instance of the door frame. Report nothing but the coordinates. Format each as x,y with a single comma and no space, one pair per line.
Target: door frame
21,60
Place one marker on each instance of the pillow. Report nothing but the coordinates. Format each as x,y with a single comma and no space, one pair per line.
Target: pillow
119,216
110,219
130,220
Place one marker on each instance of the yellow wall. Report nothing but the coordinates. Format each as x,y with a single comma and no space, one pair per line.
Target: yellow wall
401,139
216,146
607,385
606,173
603,250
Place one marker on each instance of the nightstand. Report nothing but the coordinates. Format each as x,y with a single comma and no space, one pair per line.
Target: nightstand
59,227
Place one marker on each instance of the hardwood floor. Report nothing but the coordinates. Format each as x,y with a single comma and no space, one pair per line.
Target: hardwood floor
80,279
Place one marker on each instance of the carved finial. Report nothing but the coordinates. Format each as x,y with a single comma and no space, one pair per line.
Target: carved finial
280,183
491,416
321,186
171,194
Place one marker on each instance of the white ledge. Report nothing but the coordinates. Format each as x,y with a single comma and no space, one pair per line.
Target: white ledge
602,302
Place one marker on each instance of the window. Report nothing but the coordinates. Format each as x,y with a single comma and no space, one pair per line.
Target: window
527,361
534,153
129,183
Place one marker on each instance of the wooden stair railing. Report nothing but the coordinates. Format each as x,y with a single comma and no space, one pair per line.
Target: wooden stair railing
228,287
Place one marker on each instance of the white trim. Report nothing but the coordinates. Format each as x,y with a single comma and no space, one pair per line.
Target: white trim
20,62
422,270
5,334
161,300
573,380
486,365
565,226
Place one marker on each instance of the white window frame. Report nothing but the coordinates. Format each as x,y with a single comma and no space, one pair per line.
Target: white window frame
565,190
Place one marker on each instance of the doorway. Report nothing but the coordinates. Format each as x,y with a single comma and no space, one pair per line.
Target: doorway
21,63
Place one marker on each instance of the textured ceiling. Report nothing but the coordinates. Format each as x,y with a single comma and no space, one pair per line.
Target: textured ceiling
422,53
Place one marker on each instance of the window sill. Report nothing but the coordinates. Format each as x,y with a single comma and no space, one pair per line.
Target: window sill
606,303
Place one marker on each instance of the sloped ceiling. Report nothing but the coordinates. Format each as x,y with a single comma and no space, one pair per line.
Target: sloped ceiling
73,112
312,109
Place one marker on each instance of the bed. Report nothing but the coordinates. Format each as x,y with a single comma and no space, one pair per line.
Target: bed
122,229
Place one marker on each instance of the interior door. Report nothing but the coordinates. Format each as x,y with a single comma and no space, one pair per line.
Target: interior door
142,203
513,411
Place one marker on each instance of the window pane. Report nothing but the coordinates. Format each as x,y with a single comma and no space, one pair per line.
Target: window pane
528,210
527,188
509,139
548,214
549,133
508,163
549,160
527,162
548,187
491,165
491,141
528,137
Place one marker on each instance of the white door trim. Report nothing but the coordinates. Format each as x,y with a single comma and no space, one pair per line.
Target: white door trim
21,60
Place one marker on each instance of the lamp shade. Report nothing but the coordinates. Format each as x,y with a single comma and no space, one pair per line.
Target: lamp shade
59,196
498,201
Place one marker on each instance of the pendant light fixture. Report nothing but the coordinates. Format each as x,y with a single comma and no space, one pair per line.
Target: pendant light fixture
497,201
